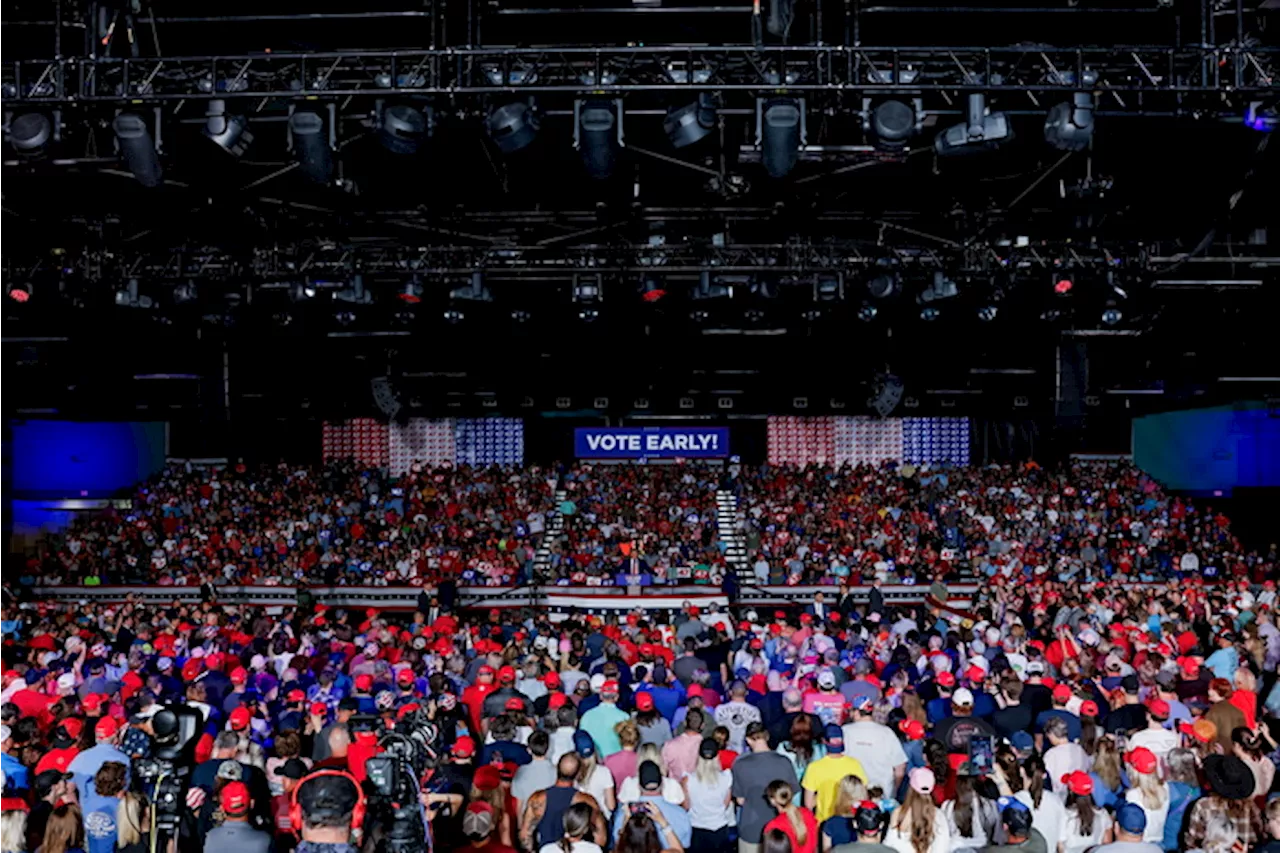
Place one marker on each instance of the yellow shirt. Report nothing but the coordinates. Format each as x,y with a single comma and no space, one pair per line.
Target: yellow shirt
823,778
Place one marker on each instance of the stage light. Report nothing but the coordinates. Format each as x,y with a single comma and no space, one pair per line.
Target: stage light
411,292
402,129
708,289
345,318
930,314
228,132
1051,315
980,131
779,133
867,313
589,315
138,149
891,123
699,315
597,135
473,291
1069,125
355,293
185,293
651,289
884,284
1112,315
20,292
453,315
311,146
886,394
29,133
1063,286
130,297
300,291
521,316
691,123
987,313
828,287
940,288
282,318
513,126
1262,116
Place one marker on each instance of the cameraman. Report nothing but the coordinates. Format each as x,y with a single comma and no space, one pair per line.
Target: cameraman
328,805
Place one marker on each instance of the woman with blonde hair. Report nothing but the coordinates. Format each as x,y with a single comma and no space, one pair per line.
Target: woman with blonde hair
1148,791
132,833
839,828
13,831
1107,782
796,822
487,787
709,792
918,826
624,762
64,833
593,777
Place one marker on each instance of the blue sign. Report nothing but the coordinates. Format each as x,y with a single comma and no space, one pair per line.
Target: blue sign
650,442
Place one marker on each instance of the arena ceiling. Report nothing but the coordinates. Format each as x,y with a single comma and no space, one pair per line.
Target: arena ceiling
626,268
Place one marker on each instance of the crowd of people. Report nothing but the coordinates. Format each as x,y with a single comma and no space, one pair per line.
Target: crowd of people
1059,716
343,524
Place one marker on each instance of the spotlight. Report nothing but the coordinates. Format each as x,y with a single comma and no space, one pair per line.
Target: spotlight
828,288
987,313
688,124
473,291
1051,315
301,291
867,313
884,284
780,132
1112,315
651,289
940,288
699,315
312,148
891,123
402,129
597,134
185,292
930,314
980,132
587,289
589,315
1069,126
129,297
812,315
707,289
1063,286
345,318
230,133
355,293
29,133
513,126
453,315
411,292
138,148
521,316
282,318
886,394
20,292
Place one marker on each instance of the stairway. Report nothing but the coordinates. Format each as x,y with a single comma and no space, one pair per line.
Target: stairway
736,548
555,526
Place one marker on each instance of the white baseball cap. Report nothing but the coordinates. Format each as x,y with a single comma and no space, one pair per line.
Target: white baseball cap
826,679
962,696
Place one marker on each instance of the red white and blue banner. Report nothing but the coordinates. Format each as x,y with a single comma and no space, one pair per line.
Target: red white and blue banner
446,441
651,442
868,441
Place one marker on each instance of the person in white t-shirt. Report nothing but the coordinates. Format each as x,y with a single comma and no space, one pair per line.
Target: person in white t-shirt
875,746
1087,825
1063,756
709,789
1048,816
1155,736
1148,791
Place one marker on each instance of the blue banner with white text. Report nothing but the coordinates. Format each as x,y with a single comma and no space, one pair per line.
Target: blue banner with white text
651,442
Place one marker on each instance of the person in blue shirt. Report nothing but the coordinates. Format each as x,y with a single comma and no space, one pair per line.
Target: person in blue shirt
667,696
1226,660
101,805
650,778
85,766
16,778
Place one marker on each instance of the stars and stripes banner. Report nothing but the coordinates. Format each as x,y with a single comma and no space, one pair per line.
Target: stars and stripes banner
470,441
867,441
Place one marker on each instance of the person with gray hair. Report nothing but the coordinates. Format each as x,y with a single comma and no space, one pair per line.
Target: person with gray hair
792,707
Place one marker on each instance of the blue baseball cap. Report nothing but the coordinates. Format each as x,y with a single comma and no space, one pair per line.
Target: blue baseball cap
834,738
862,702
1131,818
583,744
1022,741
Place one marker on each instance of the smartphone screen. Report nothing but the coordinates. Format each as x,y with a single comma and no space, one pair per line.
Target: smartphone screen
981,753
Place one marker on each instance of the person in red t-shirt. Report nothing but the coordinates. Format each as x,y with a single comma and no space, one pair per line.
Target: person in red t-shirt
796,822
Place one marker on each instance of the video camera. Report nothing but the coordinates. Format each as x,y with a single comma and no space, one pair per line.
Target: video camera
395,815
165,776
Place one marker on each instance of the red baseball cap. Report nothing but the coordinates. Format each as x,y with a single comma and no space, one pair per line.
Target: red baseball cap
946,679
1159,709
239,675
319,708
1142,759
610,686
515,703
240,718
558,701
644,702
1088,708
191,669
507,675
756,644
234,798
296,695
1062,693
694,691
364,681
73,726
484,669
552,680
92,702
694,611
405,677
975,673
913,729
105,728
464,747
1078,782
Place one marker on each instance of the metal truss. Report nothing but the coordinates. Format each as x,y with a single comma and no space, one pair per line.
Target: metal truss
1137,77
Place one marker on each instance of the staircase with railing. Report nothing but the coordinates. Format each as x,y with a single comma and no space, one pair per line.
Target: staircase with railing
727,517
554,527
